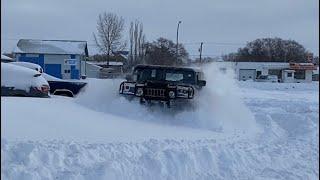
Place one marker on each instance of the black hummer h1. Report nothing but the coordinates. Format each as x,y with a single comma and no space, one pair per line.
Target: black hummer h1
162,83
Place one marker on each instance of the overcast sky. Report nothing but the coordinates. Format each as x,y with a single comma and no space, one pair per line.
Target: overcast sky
223,25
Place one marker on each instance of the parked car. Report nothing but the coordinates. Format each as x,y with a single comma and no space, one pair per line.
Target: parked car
62,87
22,81
315,77
267,78
29,65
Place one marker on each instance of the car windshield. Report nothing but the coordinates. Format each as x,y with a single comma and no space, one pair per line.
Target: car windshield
172,75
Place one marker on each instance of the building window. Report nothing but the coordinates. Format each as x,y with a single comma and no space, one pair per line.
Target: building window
289,74
300,74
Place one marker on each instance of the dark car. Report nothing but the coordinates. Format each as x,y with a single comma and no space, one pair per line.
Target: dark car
163,83
21,81
64,87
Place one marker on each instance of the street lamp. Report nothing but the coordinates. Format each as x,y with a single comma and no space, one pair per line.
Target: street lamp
177,39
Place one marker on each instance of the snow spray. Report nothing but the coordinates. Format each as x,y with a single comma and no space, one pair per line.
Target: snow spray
219,106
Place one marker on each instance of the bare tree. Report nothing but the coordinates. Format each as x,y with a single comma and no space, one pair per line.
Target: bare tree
137,41
271,50
163,52
109,34
131,43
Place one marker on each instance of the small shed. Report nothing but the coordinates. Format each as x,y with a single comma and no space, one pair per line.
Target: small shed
59,58
288,75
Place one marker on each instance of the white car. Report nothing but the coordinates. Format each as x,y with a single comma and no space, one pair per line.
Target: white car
29,65
22,81
267,78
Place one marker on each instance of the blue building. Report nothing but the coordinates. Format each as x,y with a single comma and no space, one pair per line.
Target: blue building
59,58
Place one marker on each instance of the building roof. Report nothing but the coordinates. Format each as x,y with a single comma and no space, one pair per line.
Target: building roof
4,57
143,66
93,65
111,63
302,66
51,46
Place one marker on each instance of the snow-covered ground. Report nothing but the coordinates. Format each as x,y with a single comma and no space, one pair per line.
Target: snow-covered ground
243,130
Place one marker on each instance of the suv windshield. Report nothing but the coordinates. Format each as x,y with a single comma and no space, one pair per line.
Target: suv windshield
171,75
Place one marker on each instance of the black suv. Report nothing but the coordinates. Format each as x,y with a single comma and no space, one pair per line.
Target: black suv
162,83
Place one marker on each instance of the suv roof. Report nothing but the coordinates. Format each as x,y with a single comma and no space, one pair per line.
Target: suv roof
142,66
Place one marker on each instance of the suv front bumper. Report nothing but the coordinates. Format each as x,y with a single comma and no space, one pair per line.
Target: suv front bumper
166,93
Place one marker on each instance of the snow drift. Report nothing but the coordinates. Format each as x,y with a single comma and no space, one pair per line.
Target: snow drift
219,106
60,138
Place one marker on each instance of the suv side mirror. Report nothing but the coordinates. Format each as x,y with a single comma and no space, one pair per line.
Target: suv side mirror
128,77
202,82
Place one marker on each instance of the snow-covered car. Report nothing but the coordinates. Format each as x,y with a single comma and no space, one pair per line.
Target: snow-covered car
58,86
267,78
163,84
29,65
22,81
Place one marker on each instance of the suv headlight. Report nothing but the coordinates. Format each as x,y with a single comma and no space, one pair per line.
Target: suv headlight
139,92
191,93
182,91
172,94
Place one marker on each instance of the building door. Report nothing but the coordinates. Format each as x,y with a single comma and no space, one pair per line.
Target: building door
74,73
66,71
53,70
246,74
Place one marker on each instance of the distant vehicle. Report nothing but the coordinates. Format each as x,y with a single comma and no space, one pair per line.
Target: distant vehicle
29,65
62,87
267,78
22,81
163,84
315,77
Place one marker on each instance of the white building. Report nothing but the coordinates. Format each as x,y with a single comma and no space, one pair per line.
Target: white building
286,72
90,70
59,58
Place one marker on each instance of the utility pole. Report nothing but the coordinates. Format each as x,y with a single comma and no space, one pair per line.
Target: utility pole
177,48
200,50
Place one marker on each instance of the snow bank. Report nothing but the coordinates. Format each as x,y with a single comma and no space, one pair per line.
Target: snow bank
159,159
279,86
212,112
117,139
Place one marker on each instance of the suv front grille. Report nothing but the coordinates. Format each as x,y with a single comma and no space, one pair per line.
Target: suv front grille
151,92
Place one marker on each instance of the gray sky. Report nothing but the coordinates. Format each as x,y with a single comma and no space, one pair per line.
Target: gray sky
223,25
